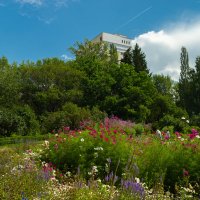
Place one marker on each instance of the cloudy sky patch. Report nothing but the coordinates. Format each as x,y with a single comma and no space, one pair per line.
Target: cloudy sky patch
162,48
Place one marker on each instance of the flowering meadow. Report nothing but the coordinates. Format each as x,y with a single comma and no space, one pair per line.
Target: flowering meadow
114,159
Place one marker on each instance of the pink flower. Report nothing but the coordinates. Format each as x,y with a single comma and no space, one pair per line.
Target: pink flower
56,146
185,172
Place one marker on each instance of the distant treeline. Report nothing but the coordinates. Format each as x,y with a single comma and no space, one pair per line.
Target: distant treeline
38,97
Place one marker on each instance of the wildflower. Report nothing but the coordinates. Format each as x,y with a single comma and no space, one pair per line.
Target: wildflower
106,139
109,160
68,173
98,148
82,140
133,187
94,169
185,172
95,154
183,118
188,121
137,180
99,180
46,144
56,146
158,133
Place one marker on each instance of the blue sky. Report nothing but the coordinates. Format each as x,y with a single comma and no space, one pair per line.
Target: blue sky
37,29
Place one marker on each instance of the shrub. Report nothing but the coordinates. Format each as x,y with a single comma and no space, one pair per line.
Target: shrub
139,129
169,120
169,163
71,115
19,120
91,153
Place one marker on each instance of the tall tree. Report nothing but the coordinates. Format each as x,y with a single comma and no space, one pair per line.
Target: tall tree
196,87
128,57
139,61
163,84
136,58
184,80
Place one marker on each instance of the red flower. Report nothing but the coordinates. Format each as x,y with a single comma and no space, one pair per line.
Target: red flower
185,172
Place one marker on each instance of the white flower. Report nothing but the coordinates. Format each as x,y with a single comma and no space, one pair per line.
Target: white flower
183,118
46,143
197,136
98,148
94,169
99,180
82,140
68,173
137,180
188,121
95,154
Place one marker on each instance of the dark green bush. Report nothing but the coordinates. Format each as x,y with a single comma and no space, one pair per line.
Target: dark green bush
169,120
71,115
19,121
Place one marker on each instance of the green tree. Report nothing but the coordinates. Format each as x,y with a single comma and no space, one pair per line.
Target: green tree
196,87
128,57
49,84
185,82
136,58
139,60
164,84
113,54
10,84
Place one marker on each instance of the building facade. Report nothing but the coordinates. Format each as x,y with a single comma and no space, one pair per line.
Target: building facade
121,42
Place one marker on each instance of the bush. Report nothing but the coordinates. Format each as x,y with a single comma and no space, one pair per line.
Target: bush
90,153
169,120
169,163
19,121
139,129
71,115
168,128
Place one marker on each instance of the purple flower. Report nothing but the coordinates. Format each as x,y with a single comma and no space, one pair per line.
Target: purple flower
133,187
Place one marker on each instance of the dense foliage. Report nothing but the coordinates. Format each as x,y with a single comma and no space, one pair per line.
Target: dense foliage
39,97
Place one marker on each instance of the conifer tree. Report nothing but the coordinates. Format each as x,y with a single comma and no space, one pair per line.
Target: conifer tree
128,57
184,76
138,58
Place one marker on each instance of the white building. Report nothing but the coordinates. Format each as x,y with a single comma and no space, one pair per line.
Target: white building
121,42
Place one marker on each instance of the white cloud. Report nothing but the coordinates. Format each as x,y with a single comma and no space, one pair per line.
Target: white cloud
44,10
31,2
47,3
66,57
162,48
